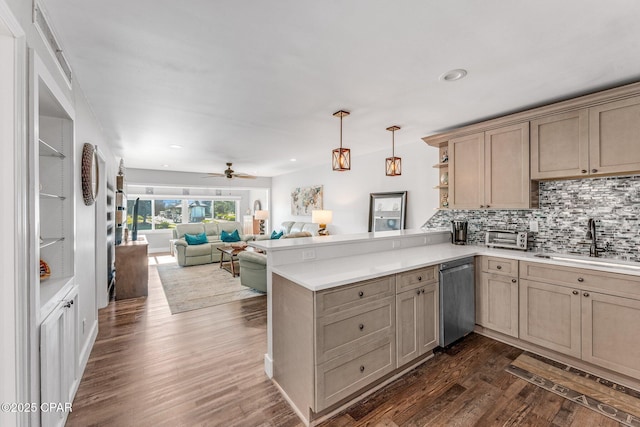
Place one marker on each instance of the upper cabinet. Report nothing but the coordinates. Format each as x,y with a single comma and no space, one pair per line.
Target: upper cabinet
600,140
560,145
490,170
613,137
589,136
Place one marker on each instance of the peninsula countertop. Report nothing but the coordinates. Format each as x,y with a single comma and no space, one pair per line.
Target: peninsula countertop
329,273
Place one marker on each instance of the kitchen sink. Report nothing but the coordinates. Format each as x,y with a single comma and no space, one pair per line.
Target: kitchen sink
612,263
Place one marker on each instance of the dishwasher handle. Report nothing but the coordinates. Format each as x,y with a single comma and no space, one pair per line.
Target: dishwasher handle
455,269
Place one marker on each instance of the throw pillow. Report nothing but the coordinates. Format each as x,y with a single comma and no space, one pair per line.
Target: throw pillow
196,239
275,235
230,237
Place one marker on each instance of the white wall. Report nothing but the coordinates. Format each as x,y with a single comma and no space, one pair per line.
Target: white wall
87,129
347,193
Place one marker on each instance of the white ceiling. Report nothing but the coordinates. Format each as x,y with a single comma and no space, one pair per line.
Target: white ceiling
256,82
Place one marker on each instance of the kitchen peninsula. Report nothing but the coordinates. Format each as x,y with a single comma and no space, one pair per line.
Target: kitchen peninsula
339,326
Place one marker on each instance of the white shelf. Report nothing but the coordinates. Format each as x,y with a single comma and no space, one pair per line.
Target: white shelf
48,151
51,196
50,241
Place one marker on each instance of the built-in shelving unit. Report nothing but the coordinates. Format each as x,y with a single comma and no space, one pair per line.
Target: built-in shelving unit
121,209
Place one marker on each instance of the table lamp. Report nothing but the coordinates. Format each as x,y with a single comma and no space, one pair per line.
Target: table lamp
322,217
261,216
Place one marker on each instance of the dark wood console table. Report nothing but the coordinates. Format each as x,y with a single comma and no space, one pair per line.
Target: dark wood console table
132,269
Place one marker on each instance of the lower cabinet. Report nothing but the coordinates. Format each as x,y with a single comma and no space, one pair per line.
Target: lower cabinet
582,321
59,358
609,330
417,322
497,294
550,316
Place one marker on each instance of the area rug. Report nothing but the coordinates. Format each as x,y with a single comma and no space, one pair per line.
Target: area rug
199,286
600,395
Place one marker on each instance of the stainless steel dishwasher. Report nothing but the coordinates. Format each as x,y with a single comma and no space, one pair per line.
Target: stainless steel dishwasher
457,300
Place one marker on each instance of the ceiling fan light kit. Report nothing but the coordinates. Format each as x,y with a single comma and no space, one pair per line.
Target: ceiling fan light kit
393,164
341,157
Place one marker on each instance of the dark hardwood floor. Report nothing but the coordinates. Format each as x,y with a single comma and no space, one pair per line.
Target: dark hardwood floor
205,368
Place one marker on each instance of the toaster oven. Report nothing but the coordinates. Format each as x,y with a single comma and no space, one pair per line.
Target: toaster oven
508,239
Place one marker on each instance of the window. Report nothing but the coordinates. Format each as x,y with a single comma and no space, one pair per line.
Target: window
164,214
225,209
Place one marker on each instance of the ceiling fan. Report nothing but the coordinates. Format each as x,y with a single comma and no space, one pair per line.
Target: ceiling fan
230,173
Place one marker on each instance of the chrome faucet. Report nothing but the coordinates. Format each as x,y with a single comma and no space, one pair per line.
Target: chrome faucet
594,250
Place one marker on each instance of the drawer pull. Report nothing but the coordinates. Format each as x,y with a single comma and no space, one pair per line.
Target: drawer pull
575,292
594,170
423,291
580,279
419,278
499,267
418,292
583,171
361,368
513,280
360,294
586,294
361,326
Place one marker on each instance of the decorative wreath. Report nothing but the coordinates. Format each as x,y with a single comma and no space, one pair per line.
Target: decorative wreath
45,271
89,174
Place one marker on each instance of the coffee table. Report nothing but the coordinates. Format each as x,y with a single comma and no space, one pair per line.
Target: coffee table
229,258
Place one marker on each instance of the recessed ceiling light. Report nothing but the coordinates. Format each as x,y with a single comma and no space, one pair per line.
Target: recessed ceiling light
453,75
292,160
175,146
165,166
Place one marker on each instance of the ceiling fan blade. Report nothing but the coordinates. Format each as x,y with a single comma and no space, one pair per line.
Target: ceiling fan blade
214,175
243,175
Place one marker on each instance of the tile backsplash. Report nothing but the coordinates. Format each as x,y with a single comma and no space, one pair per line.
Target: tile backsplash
565,208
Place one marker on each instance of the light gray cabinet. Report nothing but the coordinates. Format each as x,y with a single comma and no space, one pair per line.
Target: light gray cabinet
497,294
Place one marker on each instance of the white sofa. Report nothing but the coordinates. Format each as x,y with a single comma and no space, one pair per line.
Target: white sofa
208,252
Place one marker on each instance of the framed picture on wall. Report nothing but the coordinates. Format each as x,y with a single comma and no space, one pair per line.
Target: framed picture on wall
306,199
387,211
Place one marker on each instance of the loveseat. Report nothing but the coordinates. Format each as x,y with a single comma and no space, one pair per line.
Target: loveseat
207,252
253,265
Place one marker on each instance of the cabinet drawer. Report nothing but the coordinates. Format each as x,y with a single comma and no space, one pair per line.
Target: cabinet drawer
508,267
342,332
346,297
579,278
345,375
416,278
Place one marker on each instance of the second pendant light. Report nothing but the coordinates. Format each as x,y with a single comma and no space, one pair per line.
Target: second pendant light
393,164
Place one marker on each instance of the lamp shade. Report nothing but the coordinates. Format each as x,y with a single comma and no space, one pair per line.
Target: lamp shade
321,216
262,215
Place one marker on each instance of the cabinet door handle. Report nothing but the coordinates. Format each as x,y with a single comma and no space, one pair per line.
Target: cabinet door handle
481,206
487,206
580,279
67,305
360,294
594,170
419,278
418,292
422,291
361,326
586,294
499,267
575,292
583,171
361,368
513,280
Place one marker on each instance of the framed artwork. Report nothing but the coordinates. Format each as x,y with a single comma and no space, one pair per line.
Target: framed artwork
387,211
306,199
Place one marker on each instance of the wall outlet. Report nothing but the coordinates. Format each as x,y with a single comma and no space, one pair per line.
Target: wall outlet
308,254
84,324
533,226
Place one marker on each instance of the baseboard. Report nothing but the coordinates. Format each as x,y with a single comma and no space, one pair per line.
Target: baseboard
85,353
268,365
